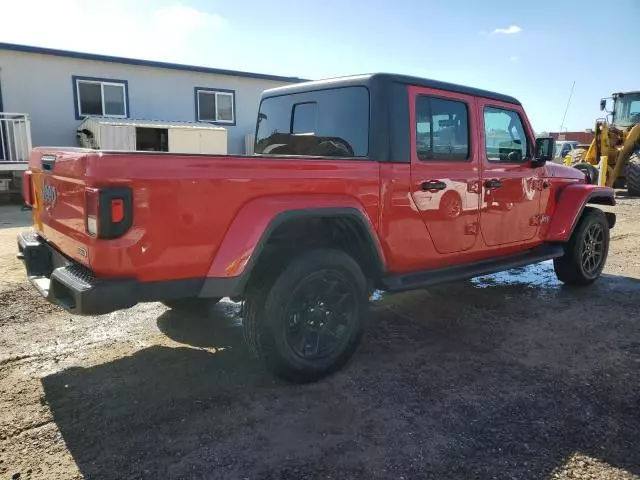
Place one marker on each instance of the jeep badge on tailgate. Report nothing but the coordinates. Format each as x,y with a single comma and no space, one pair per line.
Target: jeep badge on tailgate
49,195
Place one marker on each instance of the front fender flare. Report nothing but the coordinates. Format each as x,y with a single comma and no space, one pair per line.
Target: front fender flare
258,218
570,205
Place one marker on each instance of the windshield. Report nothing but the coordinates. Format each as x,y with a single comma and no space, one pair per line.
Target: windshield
627,109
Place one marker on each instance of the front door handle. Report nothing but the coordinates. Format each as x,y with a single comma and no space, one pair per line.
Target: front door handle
493,183
433,185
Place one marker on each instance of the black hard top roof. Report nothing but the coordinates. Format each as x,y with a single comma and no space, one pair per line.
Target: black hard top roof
368,79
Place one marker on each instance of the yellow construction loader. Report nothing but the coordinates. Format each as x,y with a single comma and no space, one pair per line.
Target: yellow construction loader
613,158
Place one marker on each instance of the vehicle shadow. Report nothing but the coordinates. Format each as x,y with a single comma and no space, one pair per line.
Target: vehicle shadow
214,327
499,382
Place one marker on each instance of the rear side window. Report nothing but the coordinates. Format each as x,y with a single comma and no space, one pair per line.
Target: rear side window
442,129
327,123
505,140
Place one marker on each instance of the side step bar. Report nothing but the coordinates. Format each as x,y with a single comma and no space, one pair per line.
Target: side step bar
428,278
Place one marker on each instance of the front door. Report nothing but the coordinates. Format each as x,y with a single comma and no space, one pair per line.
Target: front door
445,169
511,199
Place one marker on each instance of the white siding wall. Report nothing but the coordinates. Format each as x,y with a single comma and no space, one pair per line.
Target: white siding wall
41,86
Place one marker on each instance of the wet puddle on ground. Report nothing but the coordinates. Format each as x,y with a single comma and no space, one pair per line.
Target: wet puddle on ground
232,310
540,275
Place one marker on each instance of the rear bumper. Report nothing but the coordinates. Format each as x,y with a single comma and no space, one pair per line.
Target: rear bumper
70,284
74,287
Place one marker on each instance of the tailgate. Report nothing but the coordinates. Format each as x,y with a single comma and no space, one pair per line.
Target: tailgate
57,179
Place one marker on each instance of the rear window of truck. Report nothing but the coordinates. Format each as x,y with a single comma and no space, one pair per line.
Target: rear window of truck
326,123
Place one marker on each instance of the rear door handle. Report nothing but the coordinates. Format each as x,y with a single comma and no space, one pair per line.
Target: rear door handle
493,183
432,185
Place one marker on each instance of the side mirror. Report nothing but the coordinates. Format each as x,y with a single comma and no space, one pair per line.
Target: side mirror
544,151
603,104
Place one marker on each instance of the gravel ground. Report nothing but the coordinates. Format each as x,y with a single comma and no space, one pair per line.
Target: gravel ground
508,376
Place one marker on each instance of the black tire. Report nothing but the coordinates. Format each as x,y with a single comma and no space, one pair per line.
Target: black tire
590,171
579,265
633,174
273,315
191,304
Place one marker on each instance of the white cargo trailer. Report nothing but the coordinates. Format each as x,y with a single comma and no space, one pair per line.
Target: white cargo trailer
152,135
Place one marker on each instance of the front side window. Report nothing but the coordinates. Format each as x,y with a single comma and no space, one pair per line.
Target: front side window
505,139
324,123
215,106
442,129
103,98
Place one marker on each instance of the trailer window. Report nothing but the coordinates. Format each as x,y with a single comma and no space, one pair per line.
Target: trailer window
324,123
152,139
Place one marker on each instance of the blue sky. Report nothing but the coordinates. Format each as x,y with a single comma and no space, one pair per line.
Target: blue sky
532,50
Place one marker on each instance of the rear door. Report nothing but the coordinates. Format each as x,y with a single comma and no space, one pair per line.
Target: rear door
511,197
445,170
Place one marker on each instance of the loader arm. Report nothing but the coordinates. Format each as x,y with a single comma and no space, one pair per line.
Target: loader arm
600,144
630,144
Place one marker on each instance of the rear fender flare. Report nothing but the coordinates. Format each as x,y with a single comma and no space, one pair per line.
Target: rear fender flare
571,203
253,224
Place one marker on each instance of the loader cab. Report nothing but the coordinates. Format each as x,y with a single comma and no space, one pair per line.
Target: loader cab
626,109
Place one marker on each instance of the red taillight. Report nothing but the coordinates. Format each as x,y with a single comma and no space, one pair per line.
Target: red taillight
27,188
108,211
117,210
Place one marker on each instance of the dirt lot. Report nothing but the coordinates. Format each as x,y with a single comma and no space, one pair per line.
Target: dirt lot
508,376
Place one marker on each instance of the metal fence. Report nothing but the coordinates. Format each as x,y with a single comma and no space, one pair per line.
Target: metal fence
15,138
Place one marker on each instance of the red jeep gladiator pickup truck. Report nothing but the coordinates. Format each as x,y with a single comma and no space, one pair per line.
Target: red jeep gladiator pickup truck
373,181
